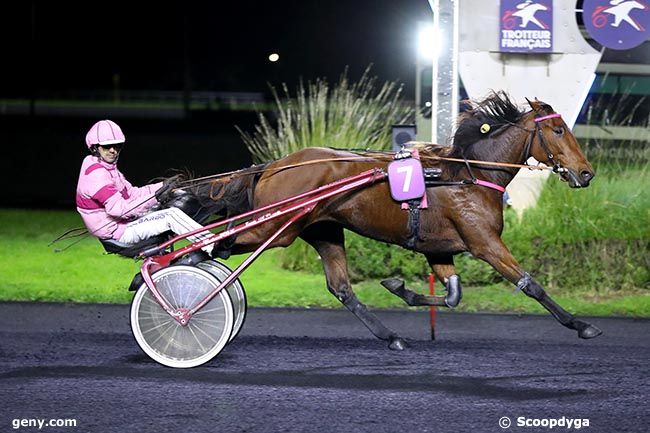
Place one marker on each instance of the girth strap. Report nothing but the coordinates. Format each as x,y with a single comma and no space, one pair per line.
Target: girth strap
413,223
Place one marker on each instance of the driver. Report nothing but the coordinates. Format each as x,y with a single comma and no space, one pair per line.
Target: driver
112,208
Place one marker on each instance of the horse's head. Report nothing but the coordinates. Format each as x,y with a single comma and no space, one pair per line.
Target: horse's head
554,144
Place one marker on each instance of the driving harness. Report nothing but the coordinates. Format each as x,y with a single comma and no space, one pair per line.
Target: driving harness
410,189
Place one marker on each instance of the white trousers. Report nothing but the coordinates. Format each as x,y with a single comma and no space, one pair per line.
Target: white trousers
158,222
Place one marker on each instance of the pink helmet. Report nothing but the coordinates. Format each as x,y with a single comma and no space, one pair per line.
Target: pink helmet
104,132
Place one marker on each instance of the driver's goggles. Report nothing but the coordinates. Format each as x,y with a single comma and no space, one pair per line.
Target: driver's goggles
116,146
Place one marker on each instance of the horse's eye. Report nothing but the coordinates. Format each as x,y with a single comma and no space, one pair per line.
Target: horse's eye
558,130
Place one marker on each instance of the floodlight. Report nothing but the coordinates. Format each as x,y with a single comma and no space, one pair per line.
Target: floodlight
429,43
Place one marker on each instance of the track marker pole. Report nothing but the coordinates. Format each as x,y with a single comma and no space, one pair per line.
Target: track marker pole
432,309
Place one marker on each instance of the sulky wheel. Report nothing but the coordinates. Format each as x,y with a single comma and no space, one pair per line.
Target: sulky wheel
164,339
235,290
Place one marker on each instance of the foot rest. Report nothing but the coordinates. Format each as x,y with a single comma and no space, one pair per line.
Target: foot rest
113,246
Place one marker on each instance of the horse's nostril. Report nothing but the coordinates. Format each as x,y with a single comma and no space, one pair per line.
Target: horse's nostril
586,175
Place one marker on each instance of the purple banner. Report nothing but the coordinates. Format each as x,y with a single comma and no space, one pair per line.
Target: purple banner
617,24
526,26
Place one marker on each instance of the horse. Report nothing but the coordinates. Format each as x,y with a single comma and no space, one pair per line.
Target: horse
462,216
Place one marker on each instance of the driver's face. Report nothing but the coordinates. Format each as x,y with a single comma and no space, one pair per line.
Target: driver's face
109,153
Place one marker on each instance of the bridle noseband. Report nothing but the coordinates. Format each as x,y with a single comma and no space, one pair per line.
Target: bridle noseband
557,167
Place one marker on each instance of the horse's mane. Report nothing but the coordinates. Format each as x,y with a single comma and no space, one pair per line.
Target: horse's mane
497,110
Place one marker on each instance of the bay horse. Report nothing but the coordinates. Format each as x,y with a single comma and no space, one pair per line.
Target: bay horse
461,217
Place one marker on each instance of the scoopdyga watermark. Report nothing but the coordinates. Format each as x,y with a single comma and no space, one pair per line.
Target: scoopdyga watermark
550,423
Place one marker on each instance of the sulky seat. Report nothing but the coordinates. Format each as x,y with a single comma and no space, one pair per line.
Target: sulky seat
181,200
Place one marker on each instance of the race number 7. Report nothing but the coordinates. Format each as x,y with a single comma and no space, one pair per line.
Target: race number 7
407,179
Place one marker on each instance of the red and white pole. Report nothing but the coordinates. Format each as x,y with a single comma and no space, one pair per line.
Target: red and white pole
432,309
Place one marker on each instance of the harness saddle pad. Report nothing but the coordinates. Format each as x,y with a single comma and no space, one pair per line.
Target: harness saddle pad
406,179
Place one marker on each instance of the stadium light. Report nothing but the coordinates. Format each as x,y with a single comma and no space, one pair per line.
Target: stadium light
429,43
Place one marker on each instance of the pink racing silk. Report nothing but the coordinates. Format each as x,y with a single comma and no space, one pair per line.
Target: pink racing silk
106,201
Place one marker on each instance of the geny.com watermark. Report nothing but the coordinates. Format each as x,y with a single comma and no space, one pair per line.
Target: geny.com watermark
40,423
563,422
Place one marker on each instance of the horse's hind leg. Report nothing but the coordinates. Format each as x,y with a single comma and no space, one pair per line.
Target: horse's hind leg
328,240
444,269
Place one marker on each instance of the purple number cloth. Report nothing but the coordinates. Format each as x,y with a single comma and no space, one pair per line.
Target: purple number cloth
406,179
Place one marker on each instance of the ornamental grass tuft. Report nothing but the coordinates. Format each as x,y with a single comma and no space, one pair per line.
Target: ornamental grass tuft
347,114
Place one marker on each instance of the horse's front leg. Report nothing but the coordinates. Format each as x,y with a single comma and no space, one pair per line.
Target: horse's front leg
495,252
443,268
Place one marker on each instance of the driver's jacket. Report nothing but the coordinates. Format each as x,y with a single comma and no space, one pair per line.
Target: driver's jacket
107,201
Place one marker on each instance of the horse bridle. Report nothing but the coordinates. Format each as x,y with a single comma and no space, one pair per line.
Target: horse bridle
557,167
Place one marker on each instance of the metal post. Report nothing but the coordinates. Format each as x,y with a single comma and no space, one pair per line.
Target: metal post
418,87
444,98
423,81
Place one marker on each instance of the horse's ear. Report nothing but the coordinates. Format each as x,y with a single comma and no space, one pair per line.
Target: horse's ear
535,105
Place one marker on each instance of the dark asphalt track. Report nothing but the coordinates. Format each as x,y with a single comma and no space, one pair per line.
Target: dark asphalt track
321,371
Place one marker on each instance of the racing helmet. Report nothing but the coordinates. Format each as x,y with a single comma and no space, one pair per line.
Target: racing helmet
103,133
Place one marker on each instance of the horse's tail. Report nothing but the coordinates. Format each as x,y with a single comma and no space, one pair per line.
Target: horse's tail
228,196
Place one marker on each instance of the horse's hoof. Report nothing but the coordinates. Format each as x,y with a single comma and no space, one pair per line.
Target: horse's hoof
397,343
589,332
394,285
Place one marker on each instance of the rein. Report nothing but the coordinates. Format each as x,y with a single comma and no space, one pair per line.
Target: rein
556,168
247,171
478,162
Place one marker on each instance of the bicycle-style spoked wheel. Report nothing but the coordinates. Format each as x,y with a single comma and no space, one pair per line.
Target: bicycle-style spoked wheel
235,290
164,339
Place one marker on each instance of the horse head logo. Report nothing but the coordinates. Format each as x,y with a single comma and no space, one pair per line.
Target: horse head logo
526,12
620,10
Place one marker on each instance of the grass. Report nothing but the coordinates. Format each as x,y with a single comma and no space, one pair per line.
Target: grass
615,206
32,271
357,114
593,239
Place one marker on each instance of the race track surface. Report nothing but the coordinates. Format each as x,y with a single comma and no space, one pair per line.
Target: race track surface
321,371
